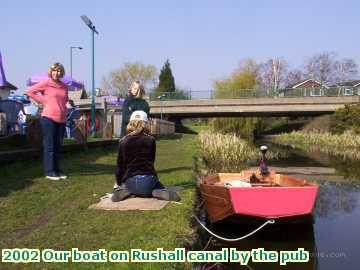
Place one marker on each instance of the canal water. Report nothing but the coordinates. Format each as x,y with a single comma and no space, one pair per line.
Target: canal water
332,239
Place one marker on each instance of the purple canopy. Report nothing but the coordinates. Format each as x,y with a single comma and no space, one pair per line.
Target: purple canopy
66,79
4,84
114,100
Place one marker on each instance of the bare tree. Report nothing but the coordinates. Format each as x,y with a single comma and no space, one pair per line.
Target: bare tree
106,86
310,69
294,76
273,73
346,69
321,67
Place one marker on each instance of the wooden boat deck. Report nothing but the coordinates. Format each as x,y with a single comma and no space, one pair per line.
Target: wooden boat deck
271,180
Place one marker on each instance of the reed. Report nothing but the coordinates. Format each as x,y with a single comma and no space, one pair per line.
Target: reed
227,152
346,145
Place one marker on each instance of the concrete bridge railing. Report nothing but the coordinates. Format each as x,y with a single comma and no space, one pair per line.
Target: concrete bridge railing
302,106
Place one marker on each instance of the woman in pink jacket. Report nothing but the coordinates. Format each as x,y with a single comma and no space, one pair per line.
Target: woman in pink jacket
53,95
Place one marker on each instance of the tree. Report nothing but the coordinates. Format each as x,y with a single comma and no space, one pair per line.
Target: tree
273,74
321,67
346,69
244,79
166,79
293,77
106,86
242,82
120,79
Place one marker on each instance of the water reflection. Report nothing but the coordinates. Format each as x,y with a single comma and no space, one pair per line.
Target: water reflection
350,169
336,198
275,238
344,165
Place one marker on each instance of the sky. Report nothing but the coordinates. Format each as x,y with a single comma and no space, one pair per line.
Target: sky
204,40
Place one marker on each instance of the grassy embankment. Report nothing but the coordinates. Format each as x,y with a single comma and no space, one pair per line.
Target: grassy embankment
38,213
346,144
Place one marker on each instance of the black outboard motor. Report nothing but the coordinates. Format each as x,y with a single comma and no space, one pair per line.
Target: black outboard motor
264,170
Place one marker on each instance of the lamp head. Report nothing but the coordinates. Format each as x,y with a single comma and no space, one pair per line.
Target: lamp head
88,22
263,149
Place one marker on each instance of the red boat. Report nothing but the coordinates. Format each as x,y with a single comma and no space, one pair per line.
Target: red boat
257,195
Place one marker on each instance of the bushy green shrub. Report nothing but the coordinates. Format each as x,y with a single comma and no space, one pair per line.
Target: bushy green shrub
245,126
346,118
283,125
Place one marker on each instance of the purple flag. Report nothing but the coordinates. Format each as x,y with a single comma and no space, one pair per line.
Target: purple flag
4,84
2,73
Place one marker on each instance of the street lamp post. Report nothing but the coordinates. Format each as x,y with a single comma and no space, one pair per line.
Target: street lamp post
88,22
161,104
71,48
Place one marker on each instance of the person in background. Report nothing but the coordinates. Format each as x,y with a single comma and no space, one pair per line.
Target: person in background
134,102
135,174
22,121
69,119
52,93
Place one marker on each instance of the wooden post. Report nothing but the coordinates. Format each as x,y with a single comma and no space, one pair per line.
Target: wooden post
104,105
85,127
2,124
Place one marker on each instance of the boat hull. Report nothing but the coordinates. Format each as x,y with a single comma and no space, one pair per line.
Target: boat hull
273,202
283,198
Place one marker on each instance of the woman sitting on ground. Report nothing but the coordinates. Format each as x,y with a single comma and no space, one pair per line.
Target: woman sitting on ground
136,174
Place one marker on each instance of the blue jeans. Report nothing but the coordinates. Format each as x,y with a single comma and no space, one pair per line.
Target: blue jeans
53,135
69,128
143,185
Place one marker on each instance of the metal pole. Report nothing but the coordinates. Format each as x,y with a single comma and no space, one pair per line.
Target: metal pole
88,22
93,131
71,58
161,108
161,105
71,61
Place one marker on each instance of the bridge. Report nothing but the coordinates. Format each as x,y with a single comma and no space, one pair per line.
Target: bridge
251,107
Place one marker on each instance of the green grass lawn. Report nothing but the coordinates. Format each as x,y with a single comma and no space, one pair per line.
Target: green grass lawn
38,213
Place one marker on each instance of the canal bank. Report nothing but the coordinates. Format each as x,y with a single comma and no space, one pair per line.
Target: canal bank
42,214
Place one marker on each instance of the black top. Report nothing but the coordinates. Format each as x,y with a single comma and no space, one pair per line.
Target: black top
130,105
136,156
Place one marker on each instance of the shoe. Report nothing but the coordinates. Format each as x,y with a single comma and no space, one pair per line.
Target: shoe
167,195
52,176
117,187
120,194
62,175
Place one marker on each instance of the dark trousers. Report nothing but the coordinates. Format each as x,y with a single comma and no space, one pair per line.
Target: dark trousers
143,185
53,135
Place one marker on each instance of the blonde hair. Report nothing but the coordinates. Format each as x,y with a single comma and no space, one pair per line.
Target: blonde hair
57,66
140,90
137,126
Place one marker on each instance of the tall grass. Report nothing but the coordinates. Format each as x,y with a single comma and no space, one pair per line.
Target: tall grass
346,144
227,152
